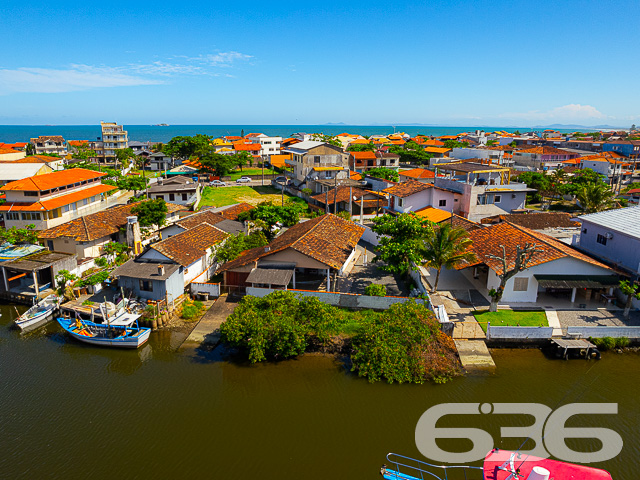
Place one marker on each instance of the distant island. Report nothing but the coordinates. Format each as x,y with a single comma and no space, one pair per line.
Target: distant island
161,125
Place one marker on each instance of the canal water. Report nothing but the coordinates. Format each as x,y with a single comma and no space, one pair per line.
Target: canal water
72,411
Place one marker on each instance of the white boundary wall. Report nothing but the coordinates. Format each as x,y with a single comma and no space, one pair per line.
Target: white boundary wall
600,332
519,333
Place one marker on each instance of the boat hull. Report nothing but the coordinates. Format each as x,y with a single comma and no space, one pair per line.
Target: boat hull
34,322
106,336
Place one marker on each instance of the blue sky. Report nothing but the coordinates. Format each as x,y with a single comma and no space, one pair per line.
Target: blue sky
438,62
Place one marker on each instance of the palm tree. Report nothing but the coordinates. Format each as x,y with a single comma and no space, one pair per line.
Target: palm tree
446,247
595,197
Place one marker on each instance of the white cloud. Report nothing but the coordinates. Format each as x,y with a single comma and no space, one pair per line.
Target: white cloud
75,78
222,59
567,113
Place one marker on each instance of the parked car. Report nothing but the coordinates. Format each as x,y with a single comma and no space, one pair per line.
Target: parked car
281,180
217,183
243,180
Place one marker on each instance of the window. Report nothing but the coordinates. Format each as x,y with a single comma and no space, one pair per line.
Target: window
13,216
146,285
584,231
400,202
161,197
31,216
520,284
497,199
602,240
442,203
184,197
30,194
172,197
316,159
66,208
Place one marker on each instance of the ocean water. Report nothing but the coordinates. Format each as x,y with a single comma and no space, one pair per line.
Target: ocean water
143,133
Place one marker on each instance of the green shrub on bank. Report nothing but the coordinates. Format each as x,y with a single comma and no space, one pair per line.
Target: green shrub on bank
191,310
376,290
609,343
404,344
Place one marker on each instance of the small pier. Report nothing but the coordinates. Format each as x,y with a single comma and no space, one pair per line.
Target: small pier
575,347
474,354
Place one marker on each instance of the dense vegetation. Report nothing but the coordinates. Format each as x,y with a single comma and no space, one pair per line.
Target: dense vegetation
238,243
402,344
384,173
151,212
268,214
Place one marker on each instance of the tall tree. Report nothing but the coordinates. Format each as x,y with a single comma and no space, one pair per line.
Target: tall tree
16,235
361,147
151,212
521,262
385,173
185,147
123,155
631,290
401,244
30,149
321,137
446,247
595,197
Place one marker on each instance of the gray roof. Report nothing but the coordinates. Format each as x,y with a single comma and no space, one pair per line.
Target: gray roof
623,220
302,147
145,270
272,276
230,226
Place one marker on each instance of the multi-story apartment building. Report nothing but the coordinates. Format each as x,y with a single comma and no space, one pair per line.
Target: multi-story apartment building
50,144
270,145
114,137
54,198
363,161
310,156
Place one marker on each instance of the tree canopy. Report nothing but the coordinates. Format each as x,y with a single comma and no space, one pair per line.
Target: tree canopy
16,235
238,243
321,137
446,247
151,212
361,147
186,147
411,152
270,214
384,173
401,241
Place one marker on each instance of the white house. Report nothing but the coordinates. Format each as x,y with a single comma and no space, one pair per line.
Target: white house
412,195
557,269
270,145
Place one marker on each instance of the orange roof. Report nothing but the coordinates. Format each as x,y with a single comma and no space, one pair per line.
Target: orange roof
13,145
53,180
354,175
279,160
4,150
77,143
572,161
433,214
417,173
397,142
449,137
53,203
360,141
246,147
363,155
437,150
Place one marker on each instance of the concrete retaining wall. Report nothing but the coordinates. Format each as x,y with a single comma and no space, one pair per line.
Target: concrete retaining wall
519,333
369,236
210,289
345,300
600,332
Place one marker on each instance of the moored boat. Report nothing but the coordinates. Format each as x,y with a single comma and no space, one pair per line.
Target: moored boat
498,465
104,334
39,314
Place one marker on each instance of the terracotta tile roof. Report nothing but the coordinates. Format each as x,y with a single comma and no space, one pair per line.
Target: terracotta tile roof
546,150
536,221
355,175
56,202
195,219
4,150
417,173
360,141
363,155
342,195
13,145
407,188
488,240
233,138
233,211
246,147
53,179
190,245
49,138
77,143
97,225
461,222
633,190
328,239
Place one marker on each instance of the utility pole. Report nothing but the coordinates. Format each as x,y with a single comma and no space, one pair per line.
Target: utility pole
335,193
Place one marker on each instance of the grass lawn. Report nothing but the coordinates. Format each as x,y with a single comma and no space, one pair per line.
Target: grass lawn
511,318
148,173
251,171
221,196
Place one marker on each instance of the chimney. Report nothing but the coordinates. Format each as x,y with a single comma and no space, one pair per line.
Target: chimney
161,270
134,240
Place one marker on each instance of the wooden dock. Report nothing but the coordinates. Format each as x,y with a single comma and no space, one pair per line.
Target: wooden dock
84,311
576,347
474,354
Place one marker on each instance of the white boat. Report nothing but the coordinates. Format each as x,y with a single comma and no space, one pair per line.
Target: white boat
39,314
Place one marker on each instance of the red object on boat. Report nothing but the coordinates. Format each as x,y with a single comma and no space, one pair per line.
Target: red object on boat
503,464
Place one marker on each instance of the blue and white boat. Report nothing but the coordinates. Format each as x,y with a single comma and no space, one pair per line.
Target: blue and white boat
39,314
105,335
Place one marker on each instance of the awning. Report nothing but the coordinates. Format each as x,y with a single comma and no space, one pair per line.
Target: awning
577,281
270,276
